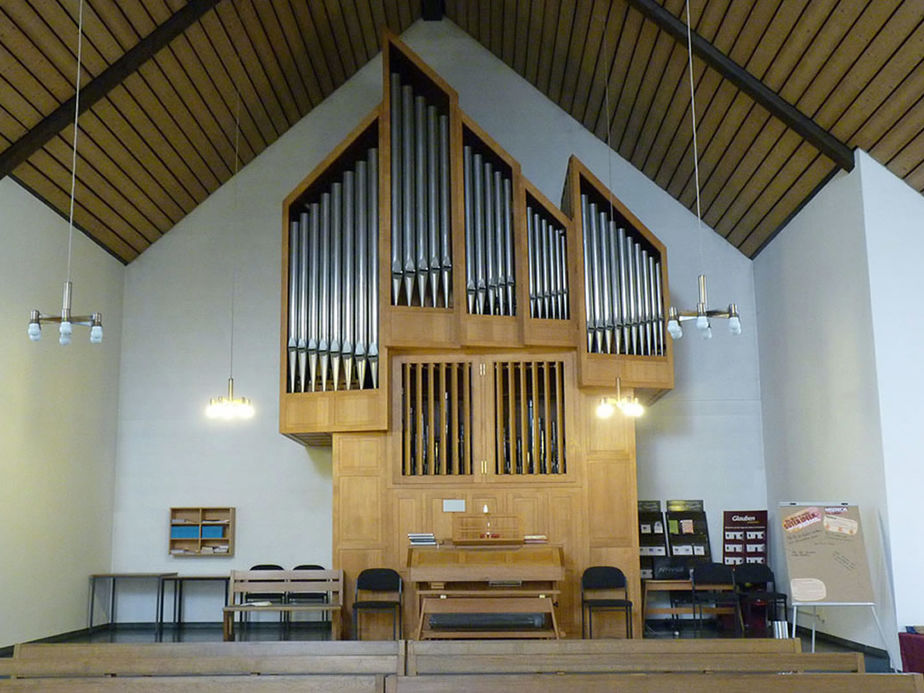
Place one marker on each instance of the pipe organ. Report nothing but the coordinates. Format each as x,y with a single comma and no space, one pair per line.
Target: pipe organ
622,285
449,331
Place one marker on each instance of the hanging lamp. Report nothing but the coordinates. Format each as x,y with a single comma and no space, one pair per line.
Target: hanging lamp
228,406
66,320
701,314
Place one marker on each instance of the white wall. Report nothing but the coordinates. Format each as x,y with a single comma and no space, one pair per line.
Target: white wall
822,436
57,422
893,215
176,356
703,439
176,337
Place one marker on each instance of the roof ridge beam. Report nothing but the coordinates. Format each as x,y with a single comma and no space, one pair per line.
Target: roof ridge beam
791,116
102,84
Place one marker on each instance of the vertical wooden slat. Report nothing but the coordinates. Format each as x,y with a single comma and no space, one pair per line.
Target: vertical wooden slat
559,414
418,419
406,418
500,435
534,400
456,432
524,423
431,418
511,414
467,417
547,457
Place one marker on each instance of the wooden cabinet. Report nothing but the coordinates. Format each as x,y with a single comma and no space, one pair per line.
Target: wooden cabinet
201,532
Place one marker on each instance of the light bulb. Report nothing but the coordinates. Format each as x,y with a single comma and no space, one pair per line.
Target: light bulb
673,327
707,333
631,407
604,409
96,334
35,331
702,322
66,330
734,325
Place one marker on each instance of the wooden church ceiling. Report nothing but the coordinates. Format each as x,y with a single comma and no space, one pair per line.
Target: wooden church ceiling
784,90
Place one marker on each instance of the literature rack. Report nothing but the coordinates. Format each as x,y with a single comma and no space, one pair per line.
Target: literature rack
652,540
687,531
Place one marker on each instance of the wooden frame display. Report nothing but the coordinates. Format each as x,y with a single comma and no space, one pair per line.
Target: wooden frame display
201,532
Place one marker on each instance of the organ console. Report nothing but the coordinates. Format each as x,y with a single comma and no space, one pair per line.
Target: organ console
449,331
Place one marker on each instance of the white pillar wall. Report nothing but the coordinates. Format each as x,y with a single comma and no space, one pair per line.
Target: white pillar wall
57,422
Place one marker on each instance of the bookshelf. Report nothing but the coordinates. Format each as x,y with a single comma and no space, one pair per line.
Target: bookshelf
201,532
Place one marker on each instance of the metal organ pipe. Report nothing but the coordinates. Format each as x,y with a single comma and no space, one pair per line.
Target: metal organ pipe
469,229
292,345
445,206
622,284
333,284
433,204
373,230
407,184
421,235
397,237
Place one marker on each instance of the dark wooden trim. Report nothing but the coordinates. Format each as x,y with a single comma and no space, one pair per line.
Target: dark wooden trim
99,87
792,117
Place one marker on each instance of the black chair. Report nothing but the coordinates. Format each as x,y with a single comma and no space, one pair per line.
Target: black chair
714,588
674,568
378,580
307,597
274,597
604,578
756,587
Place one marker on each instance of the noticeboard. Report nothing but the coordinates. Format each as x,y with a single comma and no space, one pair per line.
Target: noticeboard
825,554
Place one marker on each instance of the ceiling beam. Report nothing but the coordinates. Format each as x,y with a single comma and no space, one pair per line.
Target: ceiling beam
99,87
791,116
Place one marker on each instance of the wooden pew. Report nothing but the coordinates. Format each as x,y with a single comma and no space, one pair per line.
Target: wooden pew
427,656
657,683
360,666
203,684
296,582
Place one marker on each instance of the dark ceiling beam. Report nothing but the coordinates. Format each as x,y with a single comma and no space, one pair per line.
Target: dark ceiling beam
99,87
791,116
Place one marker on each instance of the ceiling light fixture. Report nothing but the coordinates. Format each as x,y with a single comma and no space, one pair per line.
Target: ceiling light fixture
66,321
228,406
629,407
701,314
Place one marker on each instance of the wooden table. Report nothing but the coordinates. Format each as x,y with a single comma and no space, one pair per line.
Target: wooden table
680,586
519,579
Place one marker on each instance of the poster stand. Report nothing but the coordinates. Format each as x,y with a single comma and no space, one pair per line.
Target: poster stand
823,544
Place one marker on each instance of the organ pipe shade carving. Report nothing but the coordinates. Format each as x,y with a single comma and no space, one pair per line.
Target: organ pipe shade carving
421,246
622,285
333,282
530,417
436,419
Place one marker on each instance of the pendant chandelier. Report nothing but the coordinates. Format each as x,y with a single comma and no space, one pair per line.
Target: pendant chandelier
66,320
701,314
228,406
629,407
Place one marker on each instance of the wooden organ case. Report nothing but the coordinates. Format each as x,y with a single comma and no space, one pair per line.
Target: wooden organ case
450,332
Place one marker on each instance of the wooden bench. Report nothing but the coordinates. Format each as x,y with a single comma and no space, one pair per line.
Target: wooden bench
360,666
614,656
657,683
423,654
288,582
